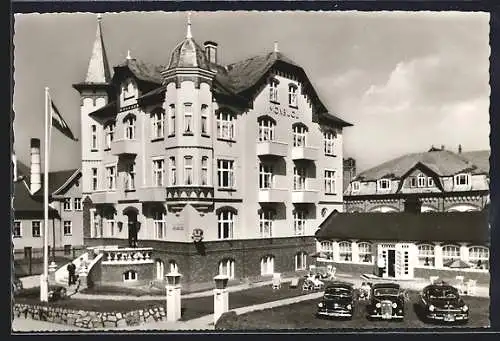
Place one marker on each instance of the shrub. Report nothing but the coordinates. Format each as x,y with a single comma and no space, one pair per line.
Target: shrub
227,321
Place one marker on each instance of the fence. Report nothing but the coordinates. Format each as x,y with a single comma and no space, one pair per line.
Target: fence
29,261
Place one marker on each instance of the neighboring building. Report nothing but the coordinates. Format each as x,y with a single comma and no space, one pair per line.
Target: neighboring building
412,245
437,180
349,172
65,210
244,157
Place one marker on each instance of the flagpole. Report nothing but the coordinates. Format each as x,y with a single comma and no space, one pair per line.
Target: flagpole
44,279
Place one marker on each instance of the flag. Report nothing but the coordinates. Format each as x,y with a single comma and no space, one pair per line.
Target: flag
59,123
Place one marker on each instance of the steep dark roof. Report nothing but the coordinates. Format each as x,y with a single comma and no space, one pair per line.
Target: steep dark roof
142,70
441,162
56,180
23,201
436,226
480,158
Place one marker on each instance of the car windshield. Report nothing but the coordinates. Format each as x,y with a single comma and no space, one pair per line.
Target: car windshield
443,293
337,292
386,292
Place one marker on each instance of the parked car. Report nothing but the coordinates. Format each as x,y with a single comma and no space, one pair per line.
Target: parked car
442,302
57,292
338,301
387,302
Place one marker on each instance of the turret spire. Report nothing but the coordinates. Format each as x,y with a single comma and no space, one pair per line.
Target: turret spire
98,70
189,35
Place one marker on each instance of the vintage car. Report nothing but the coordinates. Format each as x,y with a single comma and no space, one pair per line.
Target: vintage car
57,292
337,301
442,302
387,302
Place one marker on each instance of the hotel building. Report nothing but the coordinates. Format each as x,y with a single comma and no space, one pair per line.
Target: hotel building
204,168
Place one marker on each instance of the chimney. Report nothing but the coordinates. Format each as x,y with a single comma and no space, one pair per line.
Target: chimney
459,149
35,177
211,51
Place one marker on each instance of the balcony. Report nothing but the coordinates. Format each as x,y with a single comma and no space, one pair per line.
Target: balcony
127,256
304,196
273,195
272,148
125,147
305,153
152,194
104,197
200,197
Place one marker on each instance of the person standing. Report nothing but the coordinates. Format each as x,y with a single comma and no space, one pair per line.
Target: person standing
71,273
381,266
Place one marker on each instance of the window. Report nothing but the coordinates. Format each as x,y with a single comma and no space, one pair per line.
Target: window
479,257
173,172
267,265
130,177
266,129
422,180
225,125
225,224
326,247
384,184
109,131
299,222
67,227
329,141
93,128
204,119
450,253
426,255
173,266
157,119
130,276
188,118
111,177
265,176
159,223
430,182
67,204
171,120
158,172
266,218
17,230
461,180
67,249
355,186
188,170
365,252
94,179
345,251
299,135
204,171
300,261
78,204
226,268
329,182
110,223
36,229
413,182
273,90
129,127
299,178
292,95
225,172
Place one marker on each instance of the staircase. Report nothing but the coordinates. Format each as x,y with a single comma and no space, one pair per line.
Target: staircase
61,275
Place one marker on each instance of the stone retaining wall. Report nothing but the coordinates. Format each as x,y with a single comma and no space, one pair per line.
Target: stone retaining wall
89,319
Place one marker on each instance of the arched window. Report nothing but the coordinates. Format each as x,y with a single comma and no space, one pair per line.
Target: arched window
225,223
292,95
109,133
130,276
273,90
326,246
450,253
299,135
266,128
301,261
160,269
426,256
225,125
365,252
129,123
266,217
157,119
299,221
267,265
226,268
479,257
345,251
173,267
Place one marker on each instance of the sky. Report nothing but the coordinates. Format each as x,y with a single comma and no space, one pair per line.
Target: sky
405,80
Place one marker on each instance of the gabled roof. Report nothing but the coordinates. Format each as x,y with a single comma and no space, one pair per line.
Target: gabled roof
23,200
441,162
469,227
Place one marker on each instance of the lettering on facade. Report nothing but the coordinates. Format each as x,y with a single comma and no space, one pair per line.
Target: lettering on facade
280,111
178,228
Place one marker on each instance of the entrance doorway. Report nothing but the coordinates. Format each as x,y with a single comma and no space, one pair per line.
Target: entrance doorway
132,225
391,261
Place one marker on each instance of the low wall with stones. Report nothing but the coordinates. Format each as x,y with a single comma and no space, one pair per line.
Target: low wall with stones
89,319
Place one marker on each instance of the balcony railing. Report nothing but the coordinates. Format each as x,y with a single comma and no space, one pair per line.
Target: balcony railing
125,147
152,194
273,195
305,153
303,196
272,148
128,256
105,197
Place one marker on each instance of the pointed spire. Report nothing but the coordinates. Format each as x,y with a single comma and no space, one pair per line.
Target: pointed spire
98,70
276,46
189,35
128,55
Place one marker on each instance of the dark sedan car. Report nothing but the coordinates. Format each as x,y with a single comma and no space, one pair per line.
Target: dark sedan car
338,301
442,302
57,292
387,302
